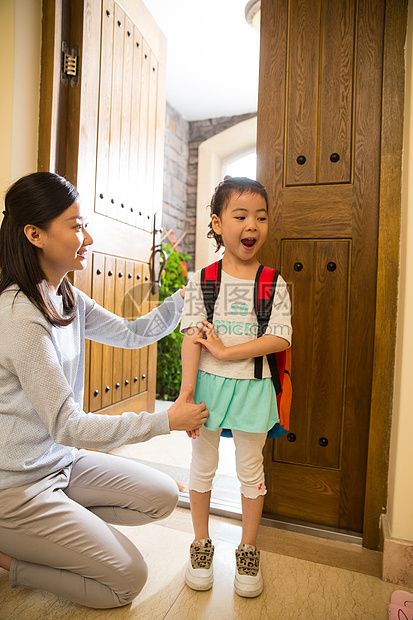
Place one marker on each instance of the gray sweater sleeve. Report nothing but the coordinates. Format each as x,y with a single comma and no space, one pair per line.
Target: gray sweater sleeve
32,357
107,328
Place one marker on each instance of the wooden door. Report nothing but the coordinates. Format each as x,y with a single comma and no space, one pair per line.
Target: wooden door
319,122
104,131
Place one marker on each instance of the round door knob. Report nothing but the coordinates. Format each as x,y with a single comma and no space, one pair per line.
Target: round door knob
143,376
96,393
138,277
331,266
120,274
107,389
334,157
135,379
146,278
298,266
110,273
117,385
291,437
126,382
112,201
130,276
101,196
301,160
98,271
323,441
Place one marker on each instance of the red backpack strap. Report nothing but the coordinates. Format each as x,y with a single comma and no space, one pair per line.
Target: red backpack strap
210,285
264,291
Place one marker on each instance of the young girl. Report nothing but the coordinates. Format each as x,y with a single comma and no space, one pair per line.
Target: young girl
56,502
222,368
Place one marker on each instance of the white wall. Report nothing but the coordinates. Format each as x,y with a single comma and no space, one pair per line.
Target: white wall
400,502
210,155
20,47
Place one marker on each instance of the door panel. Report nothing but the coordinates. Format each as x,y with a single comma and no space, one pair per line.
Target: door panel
304,28
118,378
336,94
96,349
318,273
105,92
326,215
127,312
109,134
107,353
137,311
118,374
144,353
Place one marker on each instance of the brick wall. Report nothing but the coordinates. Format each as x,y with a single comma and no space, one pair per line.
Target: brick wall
175,172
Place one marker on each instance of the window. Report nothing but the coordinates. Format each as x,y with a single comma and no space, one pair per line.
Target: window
241,164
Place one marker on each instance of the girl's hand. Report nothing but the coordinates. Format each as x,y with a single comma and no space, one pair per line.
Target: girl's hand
193,434
211,341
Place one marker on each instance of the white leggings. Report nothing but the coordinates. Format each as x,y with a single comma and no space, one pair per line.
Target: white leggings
248,458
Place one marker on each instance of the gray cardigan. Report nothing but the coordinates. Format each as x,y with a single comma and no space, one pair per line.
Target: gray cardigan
41,384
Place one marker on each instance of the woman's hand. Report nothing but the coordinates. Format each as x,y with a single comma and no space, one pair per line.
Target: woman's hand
182,292
185,415
211,341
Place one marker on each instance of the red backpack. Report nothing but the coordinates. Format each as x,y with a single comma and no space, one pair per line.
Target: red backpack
279,363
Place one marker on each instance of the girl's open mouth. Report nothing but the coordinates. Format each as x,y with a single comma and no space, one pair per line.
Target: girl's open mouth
249,242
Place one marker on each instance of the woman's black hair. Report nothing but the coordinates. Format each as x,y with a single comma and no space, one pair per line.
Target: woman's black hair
222,195
35,199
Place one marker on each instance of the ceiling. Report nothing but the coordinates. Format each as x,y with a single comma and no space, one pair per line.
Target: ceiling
212,57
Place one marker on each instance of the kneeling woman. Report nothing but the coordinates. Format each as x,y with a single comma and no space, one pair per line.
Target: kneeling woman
57,501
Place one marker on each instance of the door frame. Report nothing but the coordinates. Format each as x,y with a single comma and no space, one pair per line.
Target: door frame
384,356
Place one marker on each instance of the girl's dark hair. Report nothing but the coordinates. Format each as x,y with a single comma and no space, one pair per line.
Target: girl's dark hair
35,199
222,195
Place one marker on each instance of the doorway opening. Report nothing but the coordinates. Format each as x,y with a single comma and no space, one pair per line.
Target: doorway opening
171,454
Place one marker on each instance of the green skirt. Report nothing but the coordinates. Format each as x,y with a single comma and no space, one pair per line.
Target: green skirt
248,405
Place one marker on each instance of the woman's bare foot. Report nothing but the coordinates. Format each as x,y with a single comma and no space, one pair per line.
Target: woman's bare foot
5,561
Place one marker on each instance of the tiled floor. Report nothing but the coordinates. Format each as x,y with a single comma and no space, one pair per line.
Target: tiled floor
306,578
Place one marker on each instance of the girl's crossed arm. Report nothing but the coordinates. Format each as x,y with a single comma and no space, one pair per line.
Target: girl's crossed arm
209,339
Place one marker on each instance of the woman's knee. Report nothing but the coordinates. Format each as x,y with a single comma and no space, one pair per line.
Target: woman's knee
167,500
170,503
132,578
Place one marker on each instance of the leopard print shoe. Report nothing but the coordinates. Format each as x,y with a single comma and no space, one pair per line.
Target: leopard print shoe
248,577
199,573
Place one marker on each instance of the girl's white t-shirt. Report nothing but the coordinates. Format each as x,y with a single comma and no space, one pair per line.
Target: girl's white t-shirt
235,321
